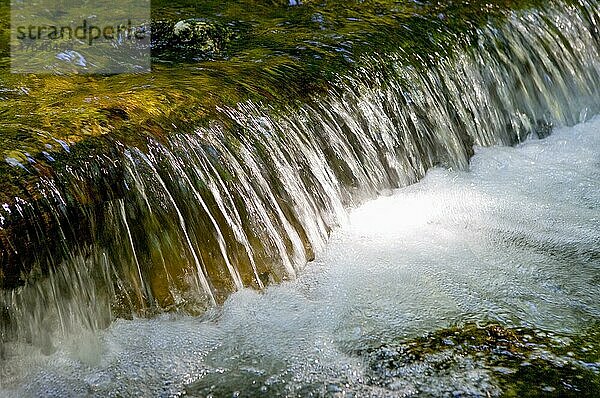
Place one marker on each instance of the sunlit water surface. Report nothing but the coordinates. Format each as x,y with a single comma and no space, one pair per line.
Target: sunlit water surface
515,240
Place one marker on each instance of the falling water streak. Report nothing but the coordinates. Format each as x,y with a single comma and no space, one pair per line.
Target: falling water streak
200,273
135,258
222,245
139,186
252,196
272,184
303,202
266,190
235,225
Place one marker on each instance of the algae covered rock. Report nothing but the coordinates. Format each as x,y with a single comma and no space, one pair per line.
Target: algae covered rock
193,38
488,360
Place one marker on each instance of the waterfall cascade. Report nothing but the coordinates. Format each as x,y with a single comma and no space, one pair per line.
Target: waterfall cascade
246,201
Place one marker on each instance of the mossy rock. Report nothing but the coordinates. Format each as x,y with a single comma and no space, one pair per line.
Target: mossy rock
190,39
492,360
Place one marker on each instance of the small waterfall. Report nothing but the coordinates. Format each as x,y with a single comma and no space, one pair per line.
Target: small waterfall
247,200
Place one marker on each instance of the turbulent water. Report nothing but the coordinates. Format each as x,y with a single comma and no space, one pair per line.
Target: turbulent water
222,212
248,201
514,240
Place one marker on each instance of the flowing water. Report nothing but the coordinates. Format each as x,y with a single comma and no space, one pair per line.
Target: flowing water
162,206
514,240
186,219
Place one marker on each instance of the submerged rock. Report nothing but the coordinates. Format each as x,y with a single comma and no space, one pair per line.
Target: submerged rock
491,360
190,38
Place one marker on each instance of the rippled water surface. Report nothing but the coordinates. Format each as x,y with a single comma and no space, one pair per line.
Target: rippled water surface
515,240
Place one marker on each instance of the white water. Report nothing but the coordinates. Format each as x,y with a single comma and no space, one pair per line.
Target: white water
516,239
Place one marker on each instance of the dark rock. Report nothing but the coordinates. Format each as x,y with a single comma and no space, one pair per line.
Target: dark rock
190,39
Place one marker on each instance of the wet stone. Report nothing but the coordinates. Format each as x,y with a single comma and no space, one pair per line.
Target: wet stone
190,39
508,366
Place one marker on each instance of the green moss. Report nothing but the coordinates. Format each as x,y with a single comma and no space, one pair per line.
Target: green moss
522,362
270,52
